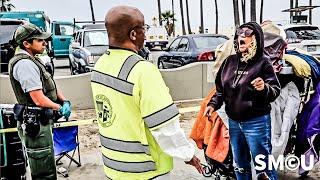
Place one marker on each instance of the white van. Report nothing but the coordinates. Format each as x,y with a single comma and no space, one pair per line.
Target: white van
156,36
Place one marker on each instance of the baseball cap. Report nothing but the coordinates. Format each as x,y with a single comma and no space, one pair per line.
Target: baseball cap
29,31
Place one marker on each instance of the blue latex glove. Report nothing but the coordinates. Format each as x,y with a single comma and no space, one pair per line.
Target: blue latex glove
65,109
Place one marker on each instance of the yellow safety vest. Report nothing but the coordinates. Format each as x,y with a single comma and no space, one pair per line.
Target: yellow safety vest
131,99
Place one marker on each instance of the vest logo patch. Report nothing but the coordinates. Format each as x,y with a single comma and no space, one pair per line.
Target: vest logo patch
105,115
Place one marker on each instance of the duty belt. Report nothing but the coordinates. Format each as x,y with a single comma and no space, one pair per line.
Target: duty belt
31,118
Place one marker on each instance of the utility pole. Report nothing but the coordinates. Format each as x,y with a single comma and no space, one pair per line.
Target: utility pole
261,11
291,13
243,7
159,12
92,13
236,13
310,12
253,10
297,4
201,17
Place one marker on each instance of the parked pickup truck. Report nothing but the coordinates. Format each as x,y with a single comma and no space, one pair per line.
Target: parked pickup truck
62,31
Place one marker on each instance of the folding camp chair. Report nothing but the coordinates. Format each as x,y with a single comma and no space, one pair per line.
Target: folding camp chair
66,141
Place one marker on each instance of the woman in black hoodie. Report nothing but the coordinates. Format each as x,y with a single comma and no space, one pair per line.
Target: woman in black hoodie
247,84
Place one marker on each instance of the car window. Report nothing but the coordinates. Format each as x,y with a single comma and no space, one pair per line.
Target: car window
6,32
96,38
183,45
174,45
204,42
303,33
63,30
291,35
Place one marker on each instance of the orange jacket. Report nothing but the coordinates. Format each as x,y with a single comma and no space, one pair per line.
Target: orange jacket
211,132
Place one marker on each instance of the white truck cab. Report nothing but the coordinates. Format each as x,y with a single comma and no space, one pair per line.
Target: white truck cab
156,36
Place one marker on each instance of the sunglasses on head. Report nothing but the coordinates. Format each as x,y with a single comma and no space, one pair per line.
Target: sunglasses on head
246,32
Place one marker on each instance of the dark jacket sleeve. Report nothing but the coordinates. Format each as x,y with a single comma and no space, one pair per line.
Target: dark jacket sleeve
217,99
272,85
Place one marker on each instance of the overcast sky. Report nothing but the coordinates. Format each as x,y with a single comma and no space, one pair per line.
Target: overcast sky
80,9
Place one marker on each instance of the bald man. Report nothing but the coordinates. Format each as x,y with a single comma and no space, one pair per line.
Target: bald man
138,121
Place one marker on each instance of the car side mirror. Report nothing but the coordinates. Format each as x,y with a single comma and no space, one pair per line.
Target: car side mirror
50,53
75,45
166,49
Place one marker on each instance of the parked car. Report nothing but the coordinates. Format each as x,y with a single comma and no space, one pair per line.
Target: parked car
89,44
61,37
190,48
303,36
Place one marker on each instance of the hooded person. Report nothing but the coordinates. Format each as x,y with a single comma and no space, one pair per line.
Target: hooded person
247,84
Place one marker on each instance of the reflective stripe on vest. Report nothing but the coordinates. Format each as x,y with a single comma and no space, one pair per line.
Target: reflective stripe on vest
112,82
132,167
161,116
127,66
119,83
124,146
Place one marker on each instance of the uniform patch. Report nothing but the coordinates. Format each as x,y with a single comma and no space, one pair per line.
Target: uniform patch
105,114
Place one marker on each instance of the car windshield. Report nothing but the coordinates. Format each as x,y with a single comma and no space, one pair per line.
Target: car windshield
96,38
303,33
204,42
6,32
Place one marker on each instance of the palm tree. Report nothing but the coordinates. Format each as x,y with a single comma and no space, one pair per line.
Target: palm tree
236,13
253,10
291,13
217,20
201,16
172,5
168,17
243,7
182,18
159,12
261,11
92,12
188,20
6,6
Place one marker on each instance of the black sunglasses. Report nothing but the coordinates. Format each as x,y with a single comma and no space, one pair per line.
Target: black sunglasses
246,32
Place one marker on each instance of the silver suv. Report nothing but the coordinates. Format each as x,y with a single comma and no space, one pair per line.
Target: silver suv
88,45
